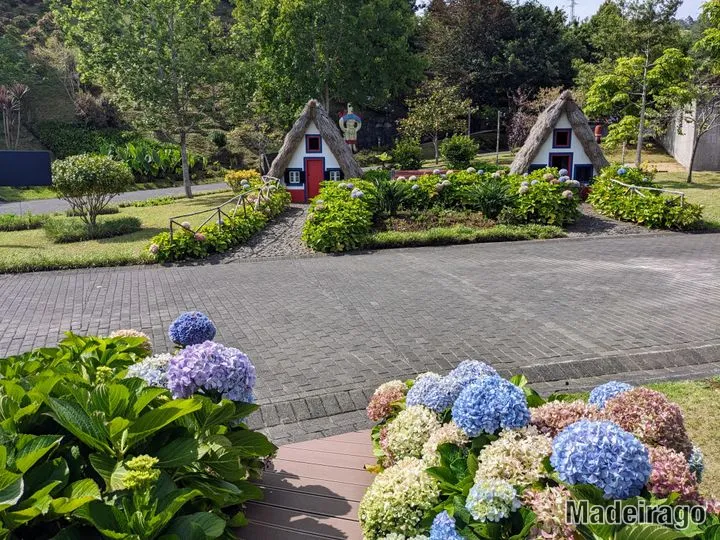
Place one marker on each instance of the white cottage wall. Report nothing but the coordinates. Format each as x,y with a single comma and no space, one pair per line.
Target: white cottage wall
576,147
298,159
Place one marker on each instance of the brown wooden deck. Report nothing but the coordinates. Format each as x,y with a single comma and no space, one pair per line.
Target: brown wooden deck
313,490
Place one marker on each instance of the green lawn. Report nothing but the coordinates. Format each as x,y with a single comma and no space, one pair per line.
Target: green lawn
13,194
31,250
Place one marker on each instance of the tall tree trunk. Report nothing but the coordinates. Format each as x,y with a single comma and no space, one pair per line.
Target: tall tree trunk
643,106
696,144
435,146
327,97
17,134
185,165
624,149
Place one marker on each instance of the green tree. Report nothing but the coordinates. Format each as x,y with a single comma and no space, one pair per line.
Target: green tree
709,44
355,51
637,87
623,133
161,57
437,110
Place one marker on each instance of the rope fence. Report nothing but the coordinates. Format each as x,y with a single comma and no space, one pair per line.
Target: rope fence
637,190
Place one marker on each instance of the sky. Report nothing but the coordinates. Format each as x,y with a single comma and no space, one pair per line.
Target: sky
586,8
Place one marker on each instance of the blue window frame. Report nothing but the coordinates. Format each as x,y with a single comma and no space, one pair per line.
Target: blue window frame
313,144
562,138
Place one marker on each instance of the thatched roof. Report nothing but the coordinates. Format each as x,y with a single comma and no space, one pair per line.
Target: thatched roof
543,129
314,112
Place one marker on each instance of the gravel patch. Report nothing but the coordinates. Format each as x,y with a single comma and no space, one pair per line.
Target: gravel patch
281,238
591,223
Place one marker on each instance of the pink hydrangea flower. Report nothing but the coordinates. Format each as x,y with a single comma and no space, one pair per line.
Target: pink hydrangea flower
380,405
200,237
154,249
549,507
671,474
651,417
186,225
555,416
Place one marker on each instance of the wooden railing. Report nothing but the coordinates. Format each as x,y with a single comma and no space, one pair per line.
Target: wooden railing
638,190
218,213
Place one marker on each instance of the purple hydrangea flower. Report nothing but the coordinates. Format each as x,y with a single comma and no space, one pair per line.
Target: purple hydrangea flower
443,528
468,371
621,171
604,455
430,390
211,368
601,394
357,194
563,172
191,328
490,404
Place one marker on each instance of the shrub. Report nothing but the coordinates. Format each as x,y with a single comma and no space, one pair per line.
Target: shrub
65,140
13,222
88,183
544,200
458,151
652,209
220,237
389,196
108,210
219,138
490,196
151,160
64,230
92,454
498,481
407,154
242,180
337,220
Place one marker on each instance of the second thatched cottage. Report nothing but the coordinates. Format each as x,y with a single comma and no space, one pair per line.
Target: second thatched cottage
561,138
313,151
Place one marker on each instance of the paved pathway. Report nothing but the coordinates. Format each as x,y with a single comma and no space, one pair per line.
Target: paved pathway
44,206
324,331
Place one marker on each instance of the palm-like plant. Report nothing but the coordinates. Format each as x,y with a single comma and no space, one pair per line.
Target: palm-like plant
490,196
389,196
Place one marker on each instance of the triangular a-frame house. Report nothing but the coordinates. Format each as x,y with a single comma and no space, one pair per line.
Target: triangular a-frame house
313,151
561,138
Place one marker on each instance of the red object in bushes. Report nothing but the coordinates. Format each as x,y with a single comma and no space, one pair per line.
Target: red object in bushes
585,191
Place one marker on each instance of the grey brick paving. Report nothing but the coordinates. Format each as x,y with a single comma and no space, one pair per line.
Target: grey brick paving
568,313
43,206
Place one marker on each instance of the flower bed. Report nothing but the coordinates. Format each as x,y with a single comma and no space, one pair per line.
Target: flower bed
359,213
220,237
102,440
655,210
472,456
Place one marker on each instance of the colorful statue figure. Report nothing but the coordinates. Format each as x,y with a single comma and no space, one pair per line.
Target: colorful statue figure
350,124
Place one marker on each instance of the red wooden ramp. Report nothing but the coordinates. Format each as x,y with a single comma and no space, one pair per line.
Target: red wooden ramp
312,491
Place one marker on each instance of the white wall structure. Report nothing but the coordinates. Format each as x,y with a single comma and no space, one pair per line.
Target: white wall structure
298,158
576,147
680,145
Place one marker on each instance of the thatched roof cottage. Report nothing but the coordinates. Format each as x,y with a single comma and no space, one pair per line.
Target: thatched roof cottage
561,138
313,151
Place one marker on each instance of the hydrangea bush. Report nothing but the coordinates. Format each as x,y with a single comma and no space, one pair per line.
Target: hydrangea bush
191,328
474,456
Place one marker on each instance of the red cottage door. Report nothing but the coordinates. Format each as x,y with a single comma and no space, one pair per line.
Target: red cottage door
314,174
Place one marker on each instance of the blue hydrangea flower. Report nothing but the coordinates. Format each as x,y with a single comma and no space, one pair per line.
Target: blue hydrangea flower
563,179
604,455
563,172
153,370
350,185
492,500
415,187
696,461
621,171
481,171
191,328
600,395
443,528
430,390
468,371
357,194
489,405
534,182
213,369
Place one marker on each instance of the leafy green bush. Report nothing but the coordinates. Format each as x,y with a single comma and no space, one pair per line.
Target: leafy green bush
65,140
150,160
338,221
491,196
108,210
88,453
219,238
89,182
543,199
407,154
651,209
389,196
64,230
458,151
13,222
441,236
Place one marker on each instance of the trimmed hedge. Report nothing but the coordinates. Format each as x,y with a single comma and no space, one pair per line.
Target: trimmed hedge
219,238
13,222
655,210
64,230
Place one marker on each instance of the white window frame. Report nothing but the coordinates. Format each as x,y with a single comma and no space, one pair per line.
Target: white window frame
335,175
294,177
